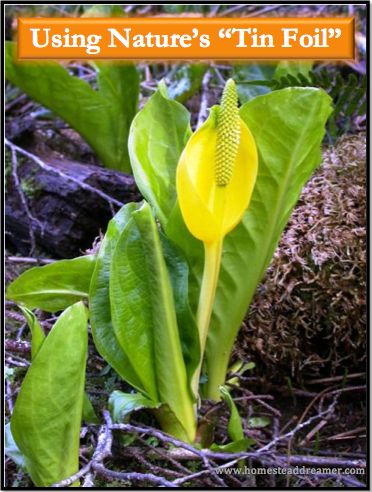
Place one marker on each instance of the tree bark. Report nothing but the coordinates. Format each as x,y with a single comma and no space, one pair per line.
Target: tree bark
69,204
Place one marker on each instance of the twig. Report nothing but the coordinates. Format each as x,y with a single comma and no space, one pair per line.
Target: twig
262,11
103,450
346,434
299,426
25,259
138,455
133,476
9,397
259,399
17,361
88,481
325,461
203,111
17,346
18,187
305,412
335,379
313,431
16,316
233,9
236,8
164,455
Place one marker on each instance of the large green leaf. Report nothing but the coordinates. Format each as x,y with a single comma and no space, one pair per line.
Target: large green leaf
37,340
144,316
157,137
55,286
47,414
99,301
102,116
288,126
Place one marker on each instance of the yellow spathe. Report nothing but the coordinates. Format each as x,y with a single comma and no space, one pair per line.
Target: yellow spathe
211,211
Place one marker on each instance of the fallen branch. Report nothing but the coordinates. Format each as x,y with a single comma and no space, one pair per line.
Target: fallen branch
62,175
71,201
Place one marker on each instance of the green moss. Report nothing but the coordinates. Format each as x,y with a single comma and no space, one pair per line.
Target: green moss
30,188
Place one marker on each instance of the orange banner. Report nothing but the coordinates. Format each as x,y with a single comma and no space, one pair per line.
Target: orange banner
190,38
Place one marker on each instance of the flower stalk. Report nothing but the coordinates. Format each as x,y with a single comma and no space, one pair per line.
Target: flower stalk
212,261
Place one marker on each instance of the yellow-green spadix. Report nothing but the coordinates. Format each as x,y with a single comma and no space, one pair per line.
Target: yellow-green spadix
217,171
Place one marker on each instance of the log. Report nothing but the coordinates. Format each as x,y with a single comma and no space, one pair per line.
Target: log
60,205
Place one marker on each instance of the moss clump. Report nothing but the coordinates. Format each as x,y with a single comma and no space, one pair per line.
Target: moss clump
308,318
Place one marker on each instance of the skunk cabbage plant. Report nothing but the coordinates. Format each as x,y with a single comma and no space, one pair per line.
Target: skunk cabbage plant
174,275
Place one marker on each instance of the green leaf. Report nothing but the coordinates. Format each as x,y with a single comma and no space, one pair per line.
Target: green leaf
288,126
179,276
157,137
47,414
9,373
89,415
286,67
144,316
233,447
102,117
186,80
55,286
122,404
234,427
99,301
100,10
37,339
37,333
11,449
258,422
239,368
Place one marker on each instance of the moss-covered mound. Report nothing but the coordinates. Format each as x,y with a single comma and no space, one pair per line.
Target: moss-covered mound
308,318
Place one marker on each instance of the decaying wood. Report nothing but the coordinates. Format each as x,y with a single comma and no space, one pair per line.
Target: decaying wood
70,203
